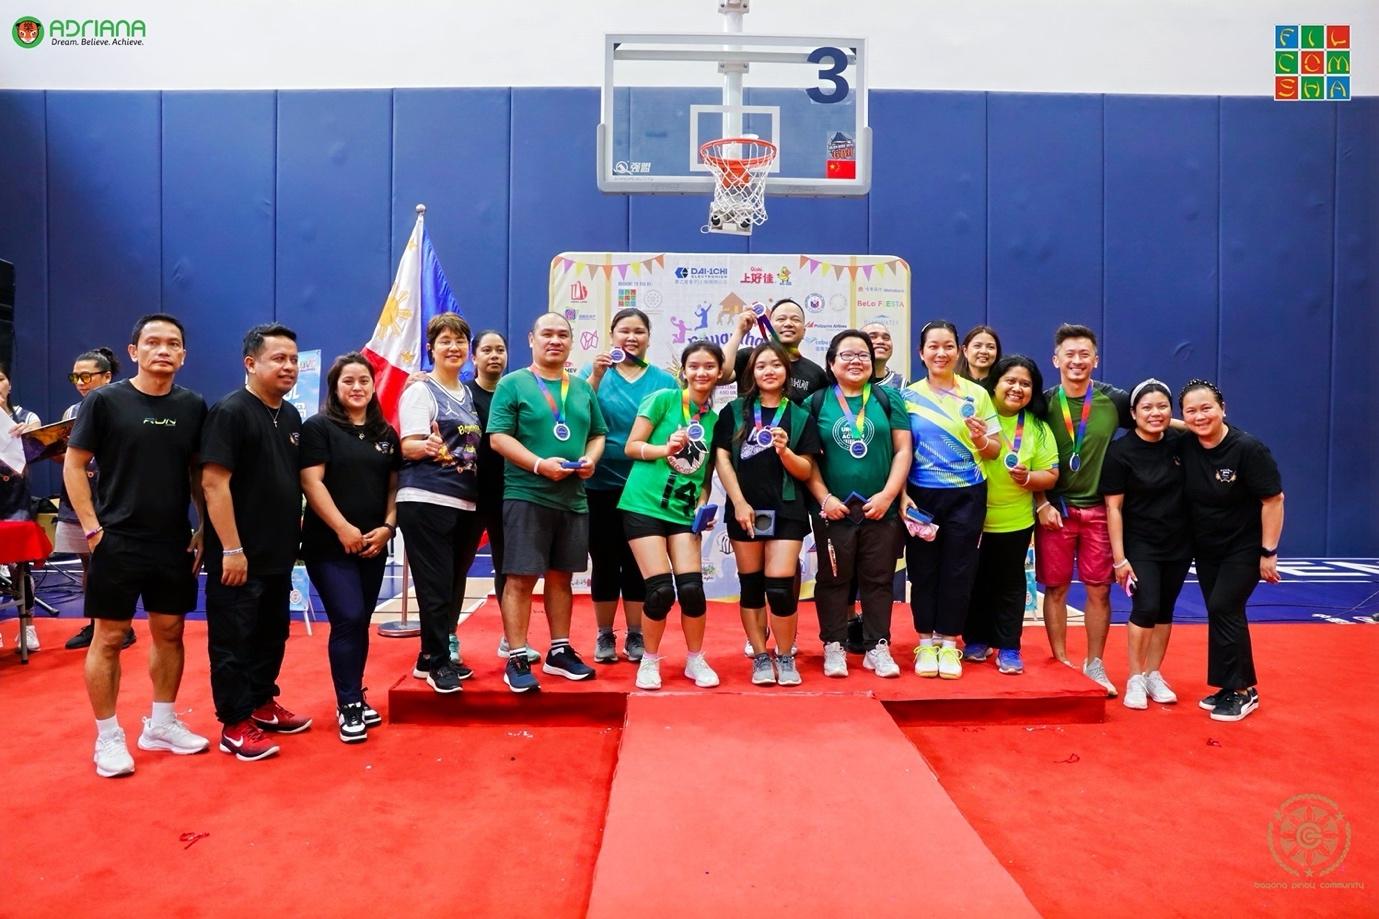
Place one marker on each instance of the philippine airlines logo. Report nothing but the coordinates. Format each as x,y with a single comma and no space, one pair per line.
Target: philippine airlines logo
578,292
27,32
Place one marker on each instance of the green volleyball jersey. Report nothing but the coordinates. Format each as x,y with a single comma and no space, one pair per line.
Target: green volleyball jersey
669,488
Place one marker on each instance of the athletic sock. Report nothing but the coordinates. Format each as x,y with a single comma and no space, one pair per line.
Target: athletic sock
691,656
605,630
163,712
926,642
516,653
950,643
107,726
650,656
557,643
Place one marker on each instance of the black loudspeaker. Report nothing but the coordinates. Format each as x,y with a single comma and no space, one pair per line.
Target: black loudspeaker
6,313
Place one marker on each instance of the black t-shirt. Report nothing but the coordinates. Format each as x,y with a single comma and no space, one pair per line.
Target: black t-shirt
1224,487
145,446
358,470
805,377
490,463
760,473
1150,476
260,450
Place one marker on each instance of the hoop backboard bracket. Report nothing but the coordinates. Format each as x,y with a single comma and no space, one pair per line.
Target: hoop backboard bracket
666,94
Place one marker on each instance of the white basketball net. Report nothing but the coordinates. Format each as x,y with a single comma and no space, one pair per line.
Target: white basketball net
740,165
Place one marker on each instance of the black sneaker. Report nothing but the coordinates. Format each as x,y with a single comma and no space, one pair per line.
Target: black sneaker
351,720
444,679
855,640
128,638
1211,701
564,660
462,672
1235,706
517,674
82,639
371,716
422,669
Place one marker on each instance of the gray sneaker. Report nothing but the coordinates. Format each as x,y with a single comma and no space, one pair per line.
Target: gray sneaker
605,648
533,655
763,674
786,672
1095,671
634,646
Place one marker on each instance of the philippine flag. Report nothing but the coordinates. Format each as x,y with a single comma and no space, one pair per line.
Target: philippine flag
398,347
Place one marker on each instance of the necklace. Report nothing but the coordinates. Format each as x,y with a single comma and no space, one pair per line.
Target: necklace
271,413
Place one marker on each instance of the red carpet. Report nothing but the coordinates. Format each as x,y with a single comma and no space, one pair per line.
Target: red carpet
813,806
1162,812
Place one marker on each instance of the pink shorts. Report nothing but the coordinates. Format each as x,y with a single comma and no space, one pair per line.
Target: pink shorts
1084,536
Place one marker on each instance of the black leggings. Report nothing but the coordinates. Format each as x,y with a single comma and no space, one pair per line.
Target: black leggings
996,613
941,572
441,543
491,511
1157,585
1226,586
613,572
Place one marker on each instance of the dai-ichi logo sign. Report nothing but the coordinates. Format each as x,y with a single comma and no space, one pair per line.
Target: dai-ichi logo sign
30,32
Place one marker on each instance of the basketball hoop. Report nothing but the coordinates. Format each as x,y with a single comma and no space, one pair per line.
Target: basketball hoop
739,165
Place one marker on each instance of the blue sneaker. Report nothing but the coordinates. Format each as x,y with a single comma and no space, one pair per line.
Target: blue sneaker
563,660
518,675
1008,661
976,652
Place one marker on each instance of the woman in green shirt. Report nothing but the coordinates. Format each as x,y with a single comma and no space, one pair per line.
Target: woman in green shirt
1026,463
668,483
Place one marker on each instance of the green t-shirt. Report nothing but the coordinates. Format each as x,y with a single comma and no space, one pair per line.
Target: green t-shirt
1110,411
668,488
520,409
1010,508
844,473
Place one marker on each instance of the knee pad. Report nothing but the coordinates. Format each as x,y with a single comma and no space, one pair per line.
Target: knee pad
752,590
780,594
690,587
660,596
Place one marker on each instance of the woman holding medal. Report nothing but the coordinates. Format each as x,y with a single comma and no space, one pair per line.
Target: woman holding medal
955,429
1027,462
1236,495
763,446
622,378
666,488
864,456
1151,535
438,488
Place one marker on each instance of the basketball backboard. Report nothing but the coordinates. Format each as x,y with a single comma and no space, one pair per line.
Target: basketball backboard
665,95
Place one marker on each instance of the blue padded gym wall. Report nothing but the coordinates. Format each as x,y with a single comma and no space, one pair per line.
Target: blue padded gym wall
1234,238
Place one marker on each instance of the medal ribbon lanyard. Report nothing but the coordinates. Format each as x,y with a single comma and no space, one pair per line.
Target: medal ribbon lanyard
1019,434
857,420
1076,438
558,410
756,412
699,410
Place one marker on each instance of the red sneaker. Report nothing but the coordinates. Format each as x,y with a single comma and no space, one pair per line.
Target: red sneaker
270,716
246,741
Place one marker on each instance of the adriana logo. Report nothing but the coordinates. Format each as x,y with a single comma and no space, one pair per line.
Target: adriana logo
1225,476
27,32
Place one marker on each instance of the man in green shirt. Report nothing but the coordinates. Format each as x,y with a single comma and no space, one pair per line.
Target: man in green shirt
543,422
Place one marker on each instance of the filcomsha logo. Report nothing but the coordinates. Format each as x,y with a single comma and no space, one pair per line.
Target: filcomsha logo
27,32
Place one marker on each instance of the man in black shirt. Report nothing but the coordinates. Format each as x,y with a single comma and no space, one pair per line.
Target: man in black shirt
143,433
787,318
254,501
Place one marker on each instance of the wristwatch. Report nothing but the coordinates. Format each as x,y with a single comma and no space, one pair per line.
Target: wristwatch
1268,553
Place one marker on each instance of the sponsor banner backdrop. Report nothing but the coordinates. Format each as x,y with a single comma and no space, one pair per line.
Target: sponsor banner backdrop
691,296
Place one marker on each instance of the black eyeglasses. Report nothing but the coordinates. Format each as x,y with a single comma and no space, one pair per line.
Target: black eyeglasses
85,376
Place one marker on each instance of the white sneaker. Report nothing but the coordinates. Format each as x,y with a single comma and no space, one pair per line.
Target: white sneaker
926,660
1095,671
112,756
173,736
949,663
747,649
1135,692
835,659
698,669
1158,688
879,659
31,637
649,673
